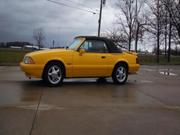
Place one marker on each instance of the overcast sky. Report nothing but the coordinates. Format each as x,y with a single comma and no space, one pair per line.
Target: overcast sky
18,18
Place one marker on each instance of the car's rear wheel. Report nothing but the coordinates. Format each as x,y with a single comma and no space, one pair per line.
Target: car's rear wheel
120,74
54,74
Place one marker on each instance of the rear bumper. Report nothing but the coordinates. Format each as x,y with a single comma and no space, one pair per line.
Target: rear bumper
32,70
133,68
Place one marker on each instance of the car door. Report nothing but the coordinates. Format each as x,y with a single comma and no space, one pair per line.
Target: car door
93,62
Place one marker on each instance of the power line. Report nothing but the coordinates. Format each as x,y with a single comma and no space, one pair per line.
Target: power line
81,4
63,4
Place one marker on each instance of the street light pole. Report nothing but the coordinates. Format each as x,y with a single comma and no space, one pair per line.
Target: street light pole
100,16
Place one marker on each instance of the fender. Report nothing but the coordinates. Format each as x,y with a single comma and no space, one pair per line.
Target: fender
123,61
68,66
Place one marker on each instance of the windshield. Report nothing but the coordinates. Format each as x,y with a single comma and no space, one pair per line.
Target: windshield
75,44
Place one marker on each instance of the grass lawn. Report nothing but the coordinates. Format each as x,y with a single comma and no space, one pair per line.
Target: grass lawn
151,60
14,57
11,56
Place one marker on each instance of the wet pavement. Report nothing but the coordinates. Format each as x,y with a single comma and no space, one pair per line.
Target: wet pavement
149,104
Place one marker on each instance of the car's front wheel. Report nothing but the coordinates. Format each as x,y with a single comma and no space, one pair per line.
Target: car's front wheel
53,74
120,74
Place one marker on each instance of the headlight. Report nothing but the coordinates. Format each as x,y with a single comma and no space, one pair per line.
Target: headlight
28,60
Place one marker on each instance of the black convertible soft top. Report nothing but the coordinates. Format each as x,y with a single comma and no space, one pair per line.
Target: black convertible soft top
110,45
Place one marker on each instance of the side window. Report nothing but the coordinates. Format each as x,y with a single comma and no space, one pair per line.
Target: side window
94,46
85,46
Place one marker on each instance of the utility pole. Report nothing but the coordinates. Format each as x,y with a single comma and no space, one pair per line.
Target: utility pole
100,17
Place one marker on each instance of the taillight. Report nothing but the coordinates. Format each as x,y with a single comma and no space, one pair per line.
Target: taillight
137,60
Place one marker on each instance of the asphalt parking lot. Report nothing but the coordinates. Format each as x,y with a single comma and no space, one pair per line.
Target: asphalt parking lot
149,104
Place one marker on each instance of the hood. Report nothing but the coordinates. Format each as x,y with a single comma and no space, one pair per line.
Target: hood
49,51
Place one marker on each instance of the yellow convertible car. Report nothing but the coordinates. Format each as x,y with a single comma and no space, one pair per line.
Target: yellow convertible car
87,56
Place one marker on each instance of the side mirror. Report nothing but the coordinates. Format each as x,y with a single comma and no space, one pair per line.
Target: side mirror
81,51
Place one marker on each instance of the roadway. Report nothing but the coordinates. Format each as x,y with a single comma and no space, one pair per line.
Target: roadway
149,104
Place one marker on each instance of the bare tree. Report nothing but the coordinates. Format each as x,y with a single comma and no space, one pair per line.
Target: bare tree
140,21
38,35
158,29
129,19
165,31
156,22
117,37
164,24
170,35
173,7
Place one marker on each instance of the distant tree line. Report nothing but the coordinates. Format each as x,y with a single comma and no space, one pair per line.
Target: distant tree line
38,36
174,51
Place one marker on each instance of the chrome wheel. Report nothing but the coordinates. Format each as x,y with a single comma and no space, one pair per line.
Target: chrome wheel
121,74
54,74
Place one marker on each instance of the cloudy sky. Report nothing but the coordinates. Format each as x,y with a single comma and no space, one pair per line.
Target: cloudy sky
18,19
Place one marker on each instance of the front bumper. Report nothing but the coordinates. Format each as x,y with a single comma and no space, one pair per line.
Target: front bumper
32,70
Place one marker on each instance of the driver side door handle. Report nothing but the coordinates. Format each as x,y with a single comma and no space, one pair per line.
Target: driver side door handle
103,57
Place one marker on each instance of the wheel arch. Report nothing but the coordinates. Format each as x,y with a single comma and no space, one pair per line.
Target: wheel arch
123,62
55,61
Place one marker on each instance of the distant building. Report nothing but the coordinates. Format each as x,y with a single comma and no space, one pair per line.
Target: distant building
30,47
16,47
27,47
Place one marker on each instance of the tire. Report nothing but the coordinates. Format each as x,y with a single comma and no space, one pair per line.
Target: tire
120,74
53,74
